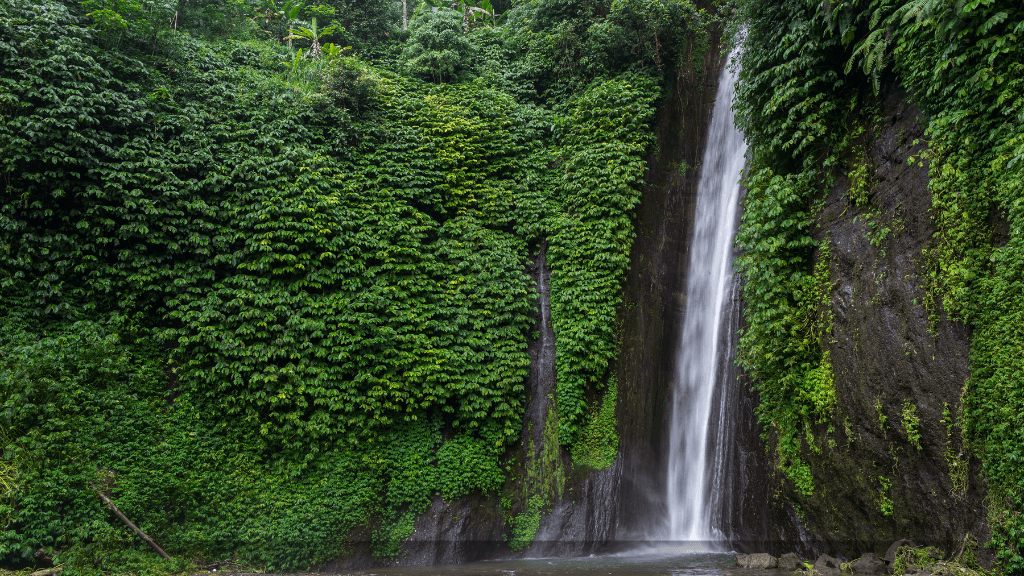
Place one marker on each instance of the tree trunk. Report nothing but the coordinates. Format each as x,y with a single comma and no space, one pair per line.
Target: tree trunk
179,13
129,524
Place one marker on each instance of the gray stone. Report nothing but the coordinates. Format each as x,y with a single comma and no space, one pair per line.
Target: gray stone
790,561
890,554
42,558
827,566
760,561
868,565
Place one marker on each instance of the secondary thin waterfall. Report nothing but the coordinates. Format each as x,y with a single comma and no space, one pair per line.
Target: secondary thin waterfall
691,473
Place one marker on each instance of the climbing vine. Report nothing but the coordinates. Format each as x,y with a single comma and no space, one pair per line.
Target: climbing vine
276,302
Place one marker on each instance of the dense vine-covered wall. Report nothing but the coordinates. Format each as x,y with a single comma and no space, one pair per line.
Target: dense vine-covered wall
813,105
277,305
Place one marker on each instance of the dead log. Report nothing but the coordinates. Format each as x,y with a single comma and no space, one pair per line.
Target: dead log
128,523
48,571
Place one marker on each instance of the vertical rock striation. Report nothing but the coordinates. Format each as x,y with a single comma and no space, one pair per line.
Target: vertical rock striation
890,463
888,475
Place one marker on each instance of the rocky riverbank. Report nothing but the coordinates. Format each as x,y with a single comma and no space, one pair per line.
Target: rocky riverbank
903,558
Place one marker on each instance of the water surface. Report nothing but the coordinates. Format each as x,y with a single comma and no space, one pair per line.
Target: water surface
649,561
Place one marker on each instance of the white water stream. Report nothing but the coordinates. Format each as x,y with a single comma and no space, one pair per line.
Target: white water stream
692,472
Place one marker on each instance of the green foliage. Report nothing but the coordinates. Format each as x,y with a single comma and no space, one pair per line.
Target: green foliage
438,49
281,300
212,18
911,424
880,411
313,35
84,401
962,64
67,401
321,242
955,460
526,524
473,12
599,444
860,181
316,323
367,24
885,502
544,473
569,43
388,540
542,485
654,33
602,135
118,19
788,314
8,482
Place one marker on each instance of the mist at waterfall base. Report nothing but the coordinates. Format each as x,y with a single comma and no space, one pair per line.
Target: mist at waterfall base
644,561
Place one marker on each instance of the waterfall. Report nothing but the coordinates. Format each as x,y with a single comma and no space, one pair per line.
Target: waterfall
693,476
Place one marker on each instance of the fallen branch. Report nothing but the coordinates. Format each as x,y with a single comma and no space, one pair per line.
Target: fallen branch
48,571
129,524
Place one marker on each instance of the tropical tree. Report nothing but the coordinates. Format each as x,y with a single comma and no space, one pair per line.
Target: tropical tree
313,35
480,10
438,48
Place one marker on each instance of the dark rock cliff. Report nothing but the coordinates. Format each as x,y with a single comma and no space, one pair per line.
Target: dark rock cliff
892,466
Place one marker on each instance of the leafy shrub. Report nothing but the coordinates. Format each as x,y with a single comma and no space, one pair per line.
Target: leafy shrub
603,134
367,24
438,49
571,43
599,444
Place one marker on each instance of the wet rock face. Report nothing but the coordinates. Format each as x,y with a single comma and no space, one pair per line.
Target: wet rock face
654,302
883,470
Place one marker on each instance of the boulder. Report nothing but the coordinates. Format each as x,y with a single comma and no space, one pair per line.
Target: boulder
868,565
827,566
42,558
890,554
790,561
760,561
